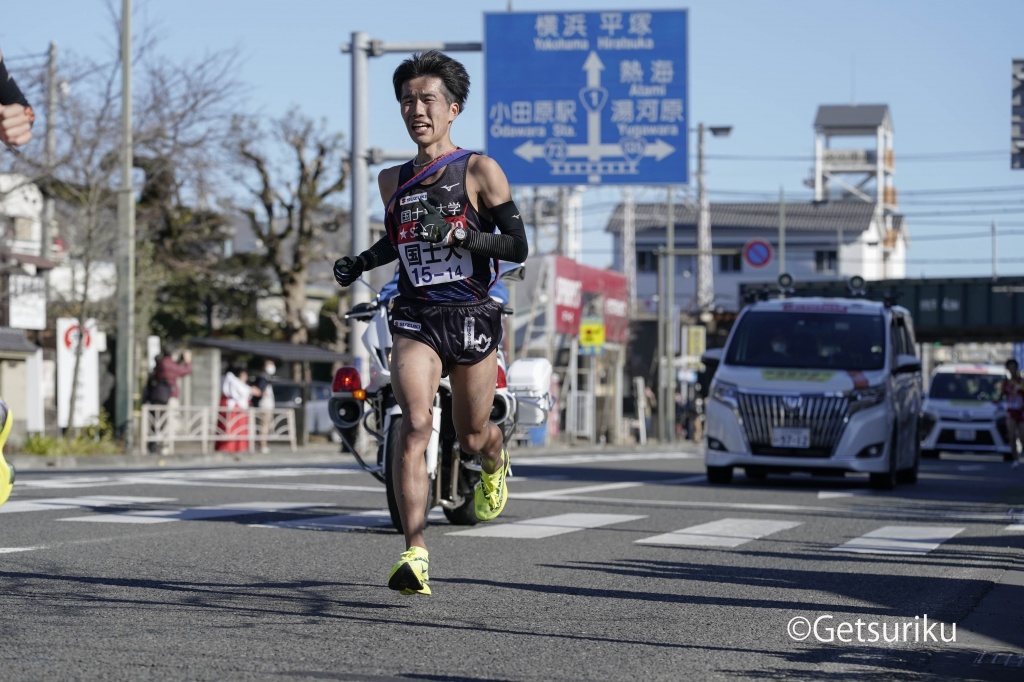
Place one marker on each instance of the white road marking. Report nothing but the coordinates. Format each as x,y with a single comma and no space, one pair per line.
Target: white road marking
1015,528
579,490
722,533
79,502
832,494
188,477
610,457
192,513
900,540
11,550
301,487
856,512
377,518
547,526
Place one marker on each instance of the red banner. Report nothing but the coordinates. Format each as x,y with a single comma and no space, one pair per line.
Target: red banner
582,291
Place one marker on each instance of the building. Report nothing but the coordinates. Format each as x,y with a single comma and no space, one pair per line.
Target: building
851,227
829,240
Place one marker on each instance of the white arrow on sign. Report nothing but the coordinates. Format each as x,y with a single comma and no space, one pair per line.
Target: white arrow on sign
594,97
531,151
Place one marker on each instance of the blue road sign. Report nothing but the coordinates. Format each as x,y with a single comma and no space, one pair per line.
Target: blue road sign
587,97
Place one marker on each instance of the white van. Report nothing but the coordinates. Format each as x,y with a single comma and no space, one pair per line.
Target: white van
960,413
821,385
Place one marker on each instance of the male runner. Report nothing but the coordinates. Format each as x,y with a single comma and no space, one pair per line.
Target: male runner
442,212
16,118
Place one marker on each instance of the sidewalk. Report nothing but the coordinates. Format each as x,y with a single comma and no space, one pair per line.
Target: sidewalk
314,453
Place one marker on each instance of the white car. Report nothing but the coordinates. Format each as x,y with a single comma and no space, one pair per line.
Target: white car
959,414
820,385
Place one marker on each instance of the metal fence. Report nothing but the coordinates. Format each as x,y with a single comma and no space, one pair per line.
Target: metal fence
253,429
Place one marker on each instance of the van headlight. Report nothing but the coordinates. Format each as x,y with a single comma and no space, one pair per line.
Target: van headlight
725,393
863,398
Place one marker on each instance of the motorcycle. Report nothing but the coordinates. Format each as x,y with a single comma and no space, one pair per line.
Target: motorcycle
452,474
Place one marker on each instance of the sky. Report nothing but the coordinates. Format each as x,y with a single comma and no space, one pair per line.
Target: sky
761,66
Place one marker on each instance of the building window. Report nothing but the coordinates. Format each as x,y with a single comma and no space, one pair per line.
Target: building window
825,261
18,228
730,262
646,261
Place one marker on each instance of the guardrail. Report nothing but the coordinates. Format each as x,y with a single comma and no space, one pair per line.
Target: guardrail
167,426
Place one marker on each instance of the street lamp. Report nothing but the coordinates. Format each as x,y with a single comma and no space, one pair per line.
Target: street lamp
705,282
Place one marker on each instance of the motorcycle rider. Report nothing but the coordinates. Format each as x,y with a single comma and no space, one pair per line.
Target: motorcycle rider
442,210
16,119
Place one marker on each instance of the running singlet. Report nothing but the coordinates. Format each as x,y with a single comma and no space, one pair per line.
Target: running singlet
1013,394
435,272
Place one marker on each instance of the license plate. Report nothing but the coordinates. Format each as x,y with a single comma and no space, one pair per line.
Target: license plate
788,437
965,434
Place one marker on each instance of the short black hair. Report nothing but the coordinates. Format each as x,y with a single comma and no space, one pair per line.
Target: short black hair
454,79
1012,361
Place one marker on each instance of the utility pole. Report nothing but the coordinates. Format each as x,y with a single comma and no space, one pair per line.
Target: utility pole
705,285
667,398
782,230
49,151
125,394
562,226
629,246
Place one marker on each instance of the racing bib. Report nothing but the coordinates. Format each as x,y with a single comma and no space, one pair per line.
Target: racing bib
426,263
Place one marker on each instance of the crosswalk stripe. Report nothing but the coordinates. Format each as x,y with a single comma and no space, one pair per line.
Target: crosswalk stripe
578,490
900,540
79,502
1015,528
377,518
547,526
606,457
832,494
722,533
192,513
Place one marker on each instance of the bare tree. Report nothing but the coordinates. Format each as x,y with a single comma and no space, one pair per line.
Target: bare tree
182,114
292,213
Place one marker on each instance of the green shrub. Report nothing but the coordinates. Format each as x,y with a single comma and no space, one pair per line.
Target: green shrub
91,440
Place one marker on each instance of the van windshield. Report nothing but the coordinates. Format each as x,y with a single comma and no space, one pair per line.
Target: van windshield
811,340
982,387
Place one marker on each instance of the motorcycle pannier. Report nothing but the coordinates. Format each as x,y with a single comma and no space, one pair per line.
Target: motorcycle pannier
529,379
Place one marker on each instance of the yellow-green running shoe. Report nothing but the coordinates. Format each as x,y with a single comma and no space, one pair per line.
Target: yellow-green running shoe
409,575
6,470
491,493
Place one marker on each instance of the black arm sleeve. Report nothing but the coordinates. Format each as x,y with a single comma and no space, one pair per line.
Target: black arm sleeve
10,93
381,253
510,245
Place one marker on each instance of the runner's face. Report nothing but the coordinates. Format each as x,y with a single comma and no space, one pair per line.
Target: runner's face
428,115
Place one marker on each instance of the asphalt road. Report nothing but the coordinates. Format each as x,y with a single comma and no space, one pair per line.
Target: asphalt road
604,566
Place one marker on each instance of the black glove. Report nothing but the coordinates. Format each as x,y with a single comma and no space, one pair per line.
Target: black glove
432,227
348,269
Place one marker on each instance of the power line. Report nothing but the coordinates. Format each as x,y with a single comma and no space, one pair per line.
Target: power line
809,158
950,214
962,190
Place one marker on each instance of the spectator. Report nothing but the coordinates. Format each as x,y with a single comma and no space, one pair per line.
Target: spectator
263,398
233,417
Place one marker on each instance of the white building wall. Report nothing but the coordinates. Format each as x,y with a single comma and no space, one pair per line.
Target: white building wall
19,198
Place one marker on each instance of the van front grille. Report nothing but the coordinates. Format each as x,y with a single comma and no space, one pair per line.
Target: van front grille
824,415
